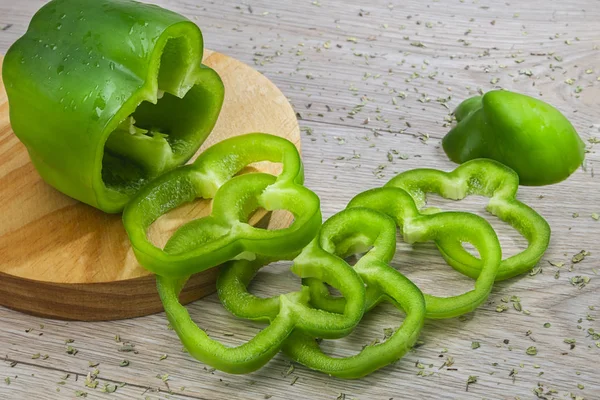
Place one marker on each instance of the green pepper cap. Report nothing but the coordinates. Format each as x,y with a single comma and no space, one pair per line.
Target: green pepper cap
107,94
526,134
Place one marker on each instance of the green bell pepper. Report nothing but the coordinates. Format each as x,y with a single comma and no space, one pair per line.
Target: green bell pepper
225,234
526,134
106,95
484,178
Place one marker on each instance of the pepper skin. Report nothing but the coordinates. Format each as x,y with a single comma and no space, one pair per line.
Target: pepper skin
225,234
526,134
500,184
108,94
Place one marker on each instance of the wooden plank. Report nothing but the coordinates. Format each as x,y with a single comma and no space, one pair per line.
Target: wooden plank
300,31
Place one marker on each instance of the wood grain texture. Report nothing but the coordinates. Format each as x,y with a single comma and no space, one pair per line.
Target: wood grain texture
63,259
355,81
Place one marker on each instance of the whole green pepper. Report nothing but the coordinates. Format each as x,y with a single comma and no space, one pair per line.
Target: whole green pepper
108,94
526,134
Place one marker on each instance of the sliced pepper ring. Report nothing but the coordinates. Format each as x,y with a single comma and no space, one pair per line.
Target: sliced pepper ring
225,234
344,234
485,178
286,313
313,262
417,227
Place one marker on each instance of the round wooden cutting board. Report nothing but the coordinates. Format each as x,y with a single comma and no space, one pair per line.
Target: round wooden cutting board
63,259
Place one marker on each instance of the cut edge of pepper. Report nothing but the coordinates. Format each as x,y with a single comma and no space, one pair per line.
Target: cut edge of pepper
112,198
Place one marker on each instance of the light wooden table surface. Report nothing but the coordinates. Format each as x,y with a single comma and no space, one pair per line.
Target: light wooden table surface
373,84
